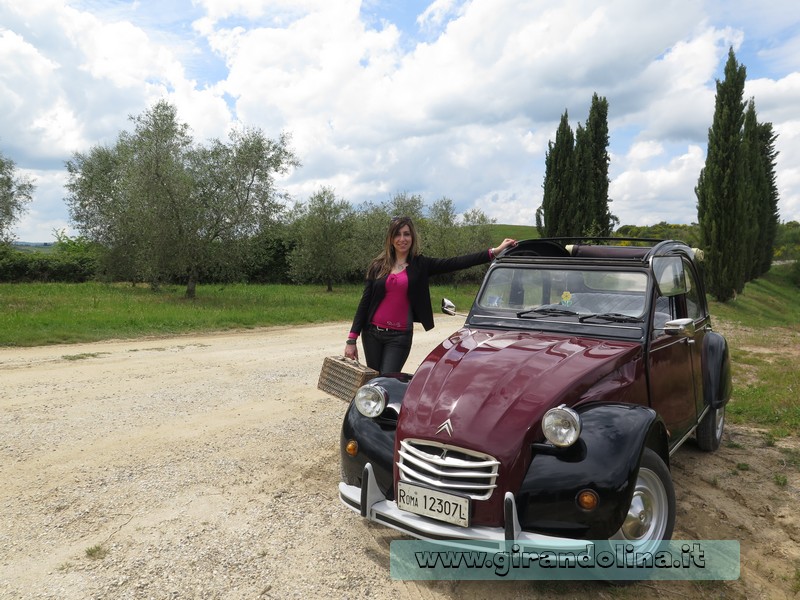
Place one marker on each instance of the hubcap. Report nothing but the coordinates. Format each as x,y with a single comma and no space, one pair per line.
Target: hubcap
648,511
640,516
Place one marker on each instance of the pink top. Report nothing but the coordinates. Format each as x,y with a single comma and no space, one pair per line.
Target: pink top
392,313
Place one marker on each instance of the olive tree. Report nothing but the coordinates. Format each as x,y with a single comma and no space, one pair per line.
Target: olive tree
323,242
441,229
368,234
165,205
371,224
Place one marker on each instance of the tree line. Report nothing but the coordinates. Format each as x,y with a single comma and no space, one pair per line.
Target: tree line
324,240
75,259
164,208
157,207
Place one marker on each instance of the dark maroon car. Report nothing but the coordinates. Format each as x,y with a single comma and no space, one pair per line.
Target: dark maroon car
553,412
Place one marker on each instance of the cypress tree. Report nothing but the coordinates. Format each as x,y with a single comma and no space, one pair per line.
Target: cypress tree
583,193
575,185
769,216
751,189
552,218
601,219
719,209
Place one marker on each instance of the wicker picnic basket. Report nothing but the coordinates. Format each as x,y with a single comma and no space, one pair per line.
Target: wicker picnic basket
341,376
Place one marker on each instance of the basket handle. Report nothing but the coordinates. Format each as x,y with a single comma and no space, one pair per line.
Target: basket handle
355,362
350,360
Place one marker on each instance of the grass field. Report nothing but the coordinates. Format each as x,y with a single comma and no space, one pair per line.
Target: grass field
517,232
35,314
763,330
762,325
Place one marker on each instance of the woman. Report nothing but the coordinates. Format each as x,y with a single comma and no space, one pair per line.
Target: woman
396,294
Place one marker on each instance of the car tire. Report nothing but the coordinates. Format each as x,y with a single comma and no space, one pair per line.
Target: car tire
651,514
709,430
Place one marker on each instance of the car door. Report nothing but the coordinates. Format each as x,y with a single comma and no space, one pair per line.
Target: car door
695,309
675,377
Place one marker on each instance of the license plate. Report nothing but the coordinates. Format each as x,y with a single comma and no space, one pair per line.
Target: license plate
433,503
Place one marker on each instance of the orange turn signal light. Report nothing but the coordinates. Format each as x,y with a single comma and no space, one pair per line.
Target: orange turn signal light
588,499
351,448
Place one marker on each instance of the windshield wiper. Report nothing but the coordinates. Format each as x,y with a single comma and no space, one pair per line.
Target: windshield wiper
546,311
611,316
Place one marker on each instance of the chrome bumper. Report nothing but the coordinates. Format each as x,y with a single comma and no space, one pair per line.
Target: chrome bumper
371,504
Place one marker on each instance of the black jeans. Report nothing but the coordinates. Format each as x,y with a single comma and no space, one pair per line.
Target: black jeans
385,350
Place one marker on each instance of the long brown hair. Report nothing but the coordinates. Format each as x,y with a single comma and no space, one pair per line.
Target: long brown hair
382,264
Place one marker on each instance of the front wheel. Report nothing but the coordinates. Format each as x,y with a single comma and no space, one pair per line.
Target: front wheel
709,430
651,514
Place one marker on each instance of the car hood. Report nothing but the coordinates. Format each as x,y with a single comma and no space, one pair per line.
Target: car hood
487,390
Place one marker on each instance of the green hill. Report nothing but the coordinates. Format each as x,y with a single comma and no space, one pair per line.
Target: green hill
517,232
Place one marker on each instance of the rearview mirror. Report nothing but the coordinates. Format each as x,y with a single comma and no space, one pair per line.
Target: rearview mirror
448,307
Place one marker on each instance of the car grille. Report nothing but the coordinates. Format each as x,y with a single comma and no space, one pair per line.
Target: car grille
448,468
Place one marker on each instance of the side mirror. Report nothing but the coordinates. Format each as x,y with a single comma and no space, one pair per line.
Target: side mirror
448,307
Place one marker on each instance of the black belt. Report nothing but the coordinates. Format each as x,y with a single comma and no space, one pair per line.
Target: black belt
387,329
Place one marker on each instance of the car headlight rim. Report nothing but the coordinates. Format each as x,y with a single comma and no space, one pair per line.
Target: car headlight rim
561,426
370,400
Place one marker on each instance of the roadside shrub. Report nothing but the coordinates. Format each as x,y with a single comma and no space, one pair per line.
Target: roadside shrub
56,266
265,259
13,264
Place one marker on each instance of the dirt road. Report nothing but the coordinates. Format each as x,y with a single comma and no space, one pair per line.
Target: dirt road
206,467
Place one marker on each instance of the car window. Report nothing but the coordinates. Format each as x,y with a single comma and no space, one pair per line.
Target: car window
512,288
588,291
694,307
662,313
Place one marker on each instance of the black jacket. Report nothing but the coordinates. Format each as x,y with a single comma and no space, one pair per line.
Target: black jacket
419,295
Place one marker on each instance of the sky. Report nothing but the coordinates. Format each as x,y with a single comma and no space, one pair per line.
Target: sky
442,98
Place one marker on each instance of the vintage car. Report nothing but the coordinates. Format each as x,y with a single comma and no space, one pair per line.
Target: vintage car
553,412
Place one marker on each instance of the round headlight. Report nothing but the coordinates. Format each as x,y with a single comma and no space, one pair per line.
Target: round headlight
370,400
561,426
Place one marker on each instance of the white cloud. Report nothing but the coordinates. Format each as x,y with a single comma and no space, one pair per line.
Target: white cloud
43,122
660,194
788,169
436,14
776,100
278,12
641,152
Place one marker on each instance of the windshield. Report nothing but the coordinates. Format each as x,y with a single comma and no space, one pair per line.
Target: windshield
536,292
